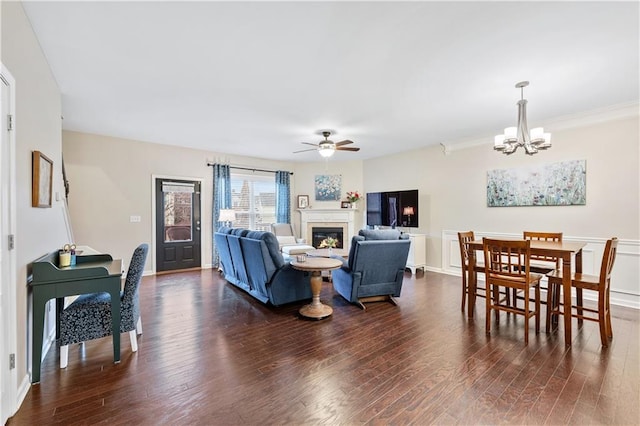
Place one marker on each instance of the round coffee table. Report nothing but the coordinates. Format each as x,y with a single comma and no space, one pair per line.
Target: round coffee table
325,252
316,265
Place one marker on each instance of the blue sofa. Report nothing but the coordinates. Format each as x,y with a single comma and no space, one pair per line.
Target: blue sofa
375,268
252,261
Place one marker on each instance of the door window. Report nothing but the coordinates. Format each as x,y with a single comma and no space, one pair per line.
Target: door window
178,211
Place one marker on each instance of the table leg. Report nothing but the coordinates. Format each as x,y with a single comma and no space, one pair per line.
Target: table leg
37,316
316,309
471,283
115,322
579,291
566,288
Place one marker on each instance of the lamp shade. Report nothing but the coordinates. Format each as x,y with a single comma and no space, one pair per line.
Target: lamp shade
227,215
407,211
326,151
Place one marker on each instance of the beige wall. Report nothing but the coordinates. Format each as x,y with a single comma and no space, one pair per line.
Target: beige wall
37,127
339,164
453,187
111,180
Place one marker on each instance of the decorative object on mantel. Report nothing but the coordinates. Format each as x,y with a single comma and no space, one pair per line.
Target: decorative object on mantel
328,187
556,184
353,197
345,205
514,137
303,201
42,180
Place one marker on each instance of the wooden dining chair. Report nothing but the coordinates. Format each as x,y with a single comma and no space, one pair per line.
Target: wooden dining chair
541,264
463,239
601,284
507,264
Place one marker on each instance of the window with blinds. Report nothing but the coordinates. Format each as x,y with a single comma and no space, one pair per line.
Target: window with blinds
254,200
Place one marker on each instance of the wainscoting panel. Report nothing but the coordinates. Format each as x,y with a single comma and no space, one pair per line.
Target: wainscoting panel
625,280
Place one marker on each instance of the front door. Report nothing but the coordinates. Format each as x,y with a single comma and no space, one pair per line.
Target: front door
177,224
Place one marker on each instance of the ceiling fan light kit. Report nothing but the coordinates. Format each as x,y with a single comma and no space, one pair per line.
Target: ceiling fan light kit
327,148
515,137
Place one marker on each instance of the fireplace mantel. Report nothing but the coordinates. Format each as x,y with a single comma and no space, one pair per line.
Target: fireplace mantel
327,217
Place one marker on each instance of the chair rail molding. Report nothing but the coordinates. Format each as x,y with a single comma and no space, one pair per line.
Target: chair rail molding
625,285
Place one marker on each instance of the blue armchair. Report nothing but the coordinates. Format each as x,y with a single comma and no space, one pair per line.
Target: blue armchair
375,268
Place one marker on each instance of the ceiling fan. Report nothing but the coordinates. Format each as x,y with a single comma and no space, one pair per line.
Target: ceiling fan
326,148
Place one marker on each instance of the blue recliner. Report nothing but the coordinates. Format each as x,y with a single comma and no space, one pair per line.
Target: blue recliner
375,268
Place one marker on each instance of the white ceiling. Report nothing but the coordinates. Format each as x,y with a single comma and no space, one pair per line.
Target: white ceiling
259,78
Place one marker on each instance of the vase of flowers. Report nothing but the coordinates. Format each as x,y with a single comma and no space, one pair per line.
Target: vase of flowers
328,243
353,197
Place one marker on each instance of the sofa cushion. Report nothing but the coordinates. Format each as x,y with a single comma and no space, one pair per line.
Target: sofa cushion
240,232
296,249
271,243
286,240
224,230
352,251
380,234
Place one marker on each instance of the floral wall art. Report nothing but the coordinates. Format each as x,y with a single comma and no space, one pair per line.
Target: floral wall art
556,184
328,187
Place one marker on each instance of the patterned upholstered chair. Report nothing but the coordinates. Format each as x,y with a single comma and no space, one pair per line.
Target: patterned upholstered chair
89,316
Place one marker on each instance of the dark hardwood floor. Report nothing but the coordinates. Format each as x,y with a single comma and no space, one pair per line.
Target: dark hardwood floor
211,354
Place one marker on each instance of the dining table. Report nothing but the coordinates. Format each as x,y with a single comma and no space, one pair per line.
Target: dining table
564,250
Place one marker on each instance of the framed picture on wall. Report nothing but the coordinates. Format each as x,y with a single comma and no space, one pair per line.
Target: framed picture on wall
42,180
303,201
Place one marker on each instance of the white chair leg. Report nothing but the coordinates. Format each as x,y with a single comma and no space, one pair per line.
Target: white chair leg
134,341
139,325
64,356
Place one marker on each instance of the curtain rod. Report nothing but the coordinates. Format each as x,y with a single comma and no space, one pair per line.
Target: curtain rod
246,168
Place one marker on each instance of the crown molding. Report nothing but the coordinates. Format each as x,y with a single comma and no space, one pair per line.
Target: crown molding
582,119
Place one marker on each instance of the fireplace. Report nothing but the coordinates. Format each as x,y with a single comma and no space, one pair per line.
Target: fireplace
319,233
327,218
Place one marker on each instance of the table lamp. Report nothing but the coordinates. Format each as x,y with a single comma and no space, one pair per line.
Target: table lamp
408,211
227,216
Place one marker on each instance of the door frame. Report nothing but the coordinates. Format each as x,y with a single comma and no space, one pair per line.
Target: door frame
8,331
153,217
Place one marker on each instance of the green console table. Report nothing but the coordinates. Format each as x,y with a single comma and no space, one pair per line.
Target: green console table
92,273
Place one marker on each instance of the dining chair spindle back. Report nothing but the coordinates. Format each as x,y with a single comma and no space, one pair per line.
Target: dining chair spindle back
507,264
601,284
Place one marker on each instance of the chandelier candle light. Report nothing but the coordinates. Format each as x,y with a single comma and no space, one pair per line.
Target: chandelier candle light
514,137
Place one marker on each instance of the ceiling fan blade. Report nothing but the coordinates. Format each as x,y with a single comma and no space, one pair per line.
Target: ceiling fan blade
305,150
312,144
339,148
344,142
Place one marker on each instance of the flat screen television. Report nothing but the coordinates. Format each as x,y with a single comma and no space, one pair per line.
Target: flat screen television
393,208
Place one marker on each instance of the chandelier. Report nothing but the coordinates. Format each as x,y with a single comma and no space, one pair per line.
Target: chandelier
514,137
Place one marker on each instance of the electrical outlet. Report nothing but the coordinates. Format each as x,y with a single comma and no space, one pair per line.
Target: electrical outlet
135,219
